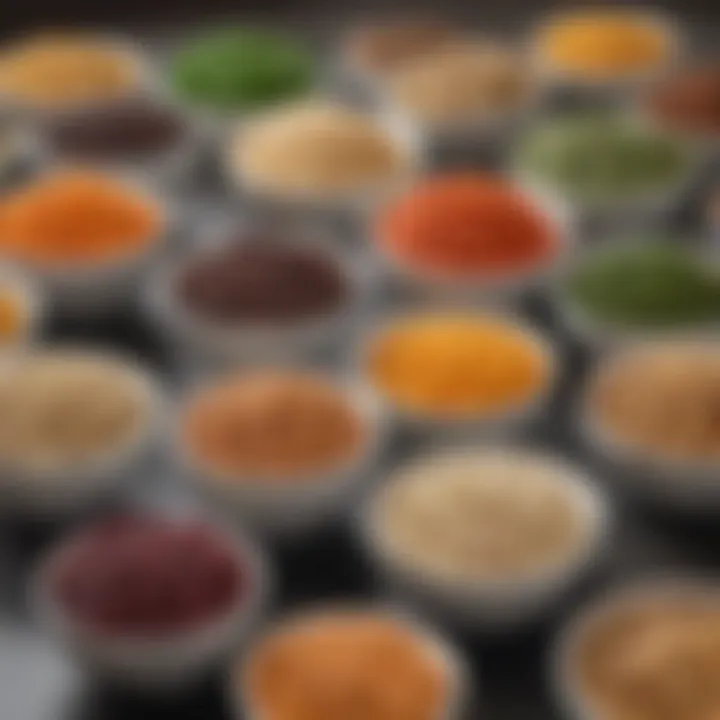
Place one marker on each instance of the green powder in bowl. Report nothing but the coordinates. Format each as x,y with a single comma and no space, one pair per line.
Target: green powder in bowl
648,286
242,69
603,158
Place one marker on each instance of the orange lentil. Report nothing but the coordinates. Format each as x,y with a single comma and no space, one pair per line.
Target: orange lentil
347,666
457,364
74,217
467,224
272,425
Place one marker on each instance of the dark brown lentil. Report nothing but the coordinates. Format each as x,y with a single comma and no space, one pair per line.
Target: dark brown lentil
133,130
262,280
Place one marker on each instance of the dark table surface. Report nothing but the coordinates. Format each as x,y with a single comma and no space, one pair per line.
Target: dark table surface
36,683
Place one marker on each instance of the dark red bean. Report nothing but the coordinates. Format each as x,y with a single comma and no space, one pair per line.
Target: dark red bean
149,576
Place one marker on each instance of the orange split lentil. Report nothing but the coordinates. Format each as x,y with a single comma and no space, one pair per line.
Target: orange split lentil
605,44
74,217
457,364
347,666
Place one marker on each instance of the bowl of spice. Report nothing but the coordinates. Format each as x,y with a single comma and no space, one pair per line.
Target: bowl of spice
322,155
607,164
459,370
465,89
606,49
639,289
371,52
326,663
489,538
688,103
471,234
647,651
75,423
85,236
284,449
49,72
255,295
151,602
649,411
224,72
133,136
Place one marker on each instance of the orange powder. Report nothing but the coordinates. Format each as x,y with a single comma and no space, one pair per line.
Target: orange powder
347,666
467,224
75,217
449,365
272,425
13,316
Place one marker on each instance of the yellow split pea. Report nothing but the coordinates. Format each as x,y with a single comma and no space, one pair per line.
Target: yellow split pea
458,365
605,45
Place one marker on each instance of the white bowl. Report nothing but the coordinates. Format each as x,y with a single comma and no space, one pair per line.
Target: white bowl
163,168
679,485
502,421
563,666
142,68
504,286
294,506
83,290
463,688
406,139
505,603
617,212
496,126
72,488
600,334
611,89
157,665
218,344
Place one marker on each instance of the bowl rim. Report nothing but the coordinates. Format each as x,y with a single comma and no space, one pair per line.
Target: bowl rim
668,469
405,138
143,191
249,557
665,23
552,208
285,487
632,593
429,640
536,338
587,495
151,392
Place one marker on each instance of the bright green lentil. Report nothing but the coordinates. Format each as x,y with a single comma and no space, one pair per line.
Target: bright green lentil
649,286
602,158
242,69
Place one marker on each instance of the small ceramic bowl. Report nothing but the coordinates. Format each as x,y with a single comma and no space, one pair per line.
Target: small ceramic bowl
72,488
91,290
598,334
463,692
293,506
157,665
504,286
678,485
163,168
407,140
611,89
615,212
497,127
502,421
506,603
142,69
564,668
214,345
